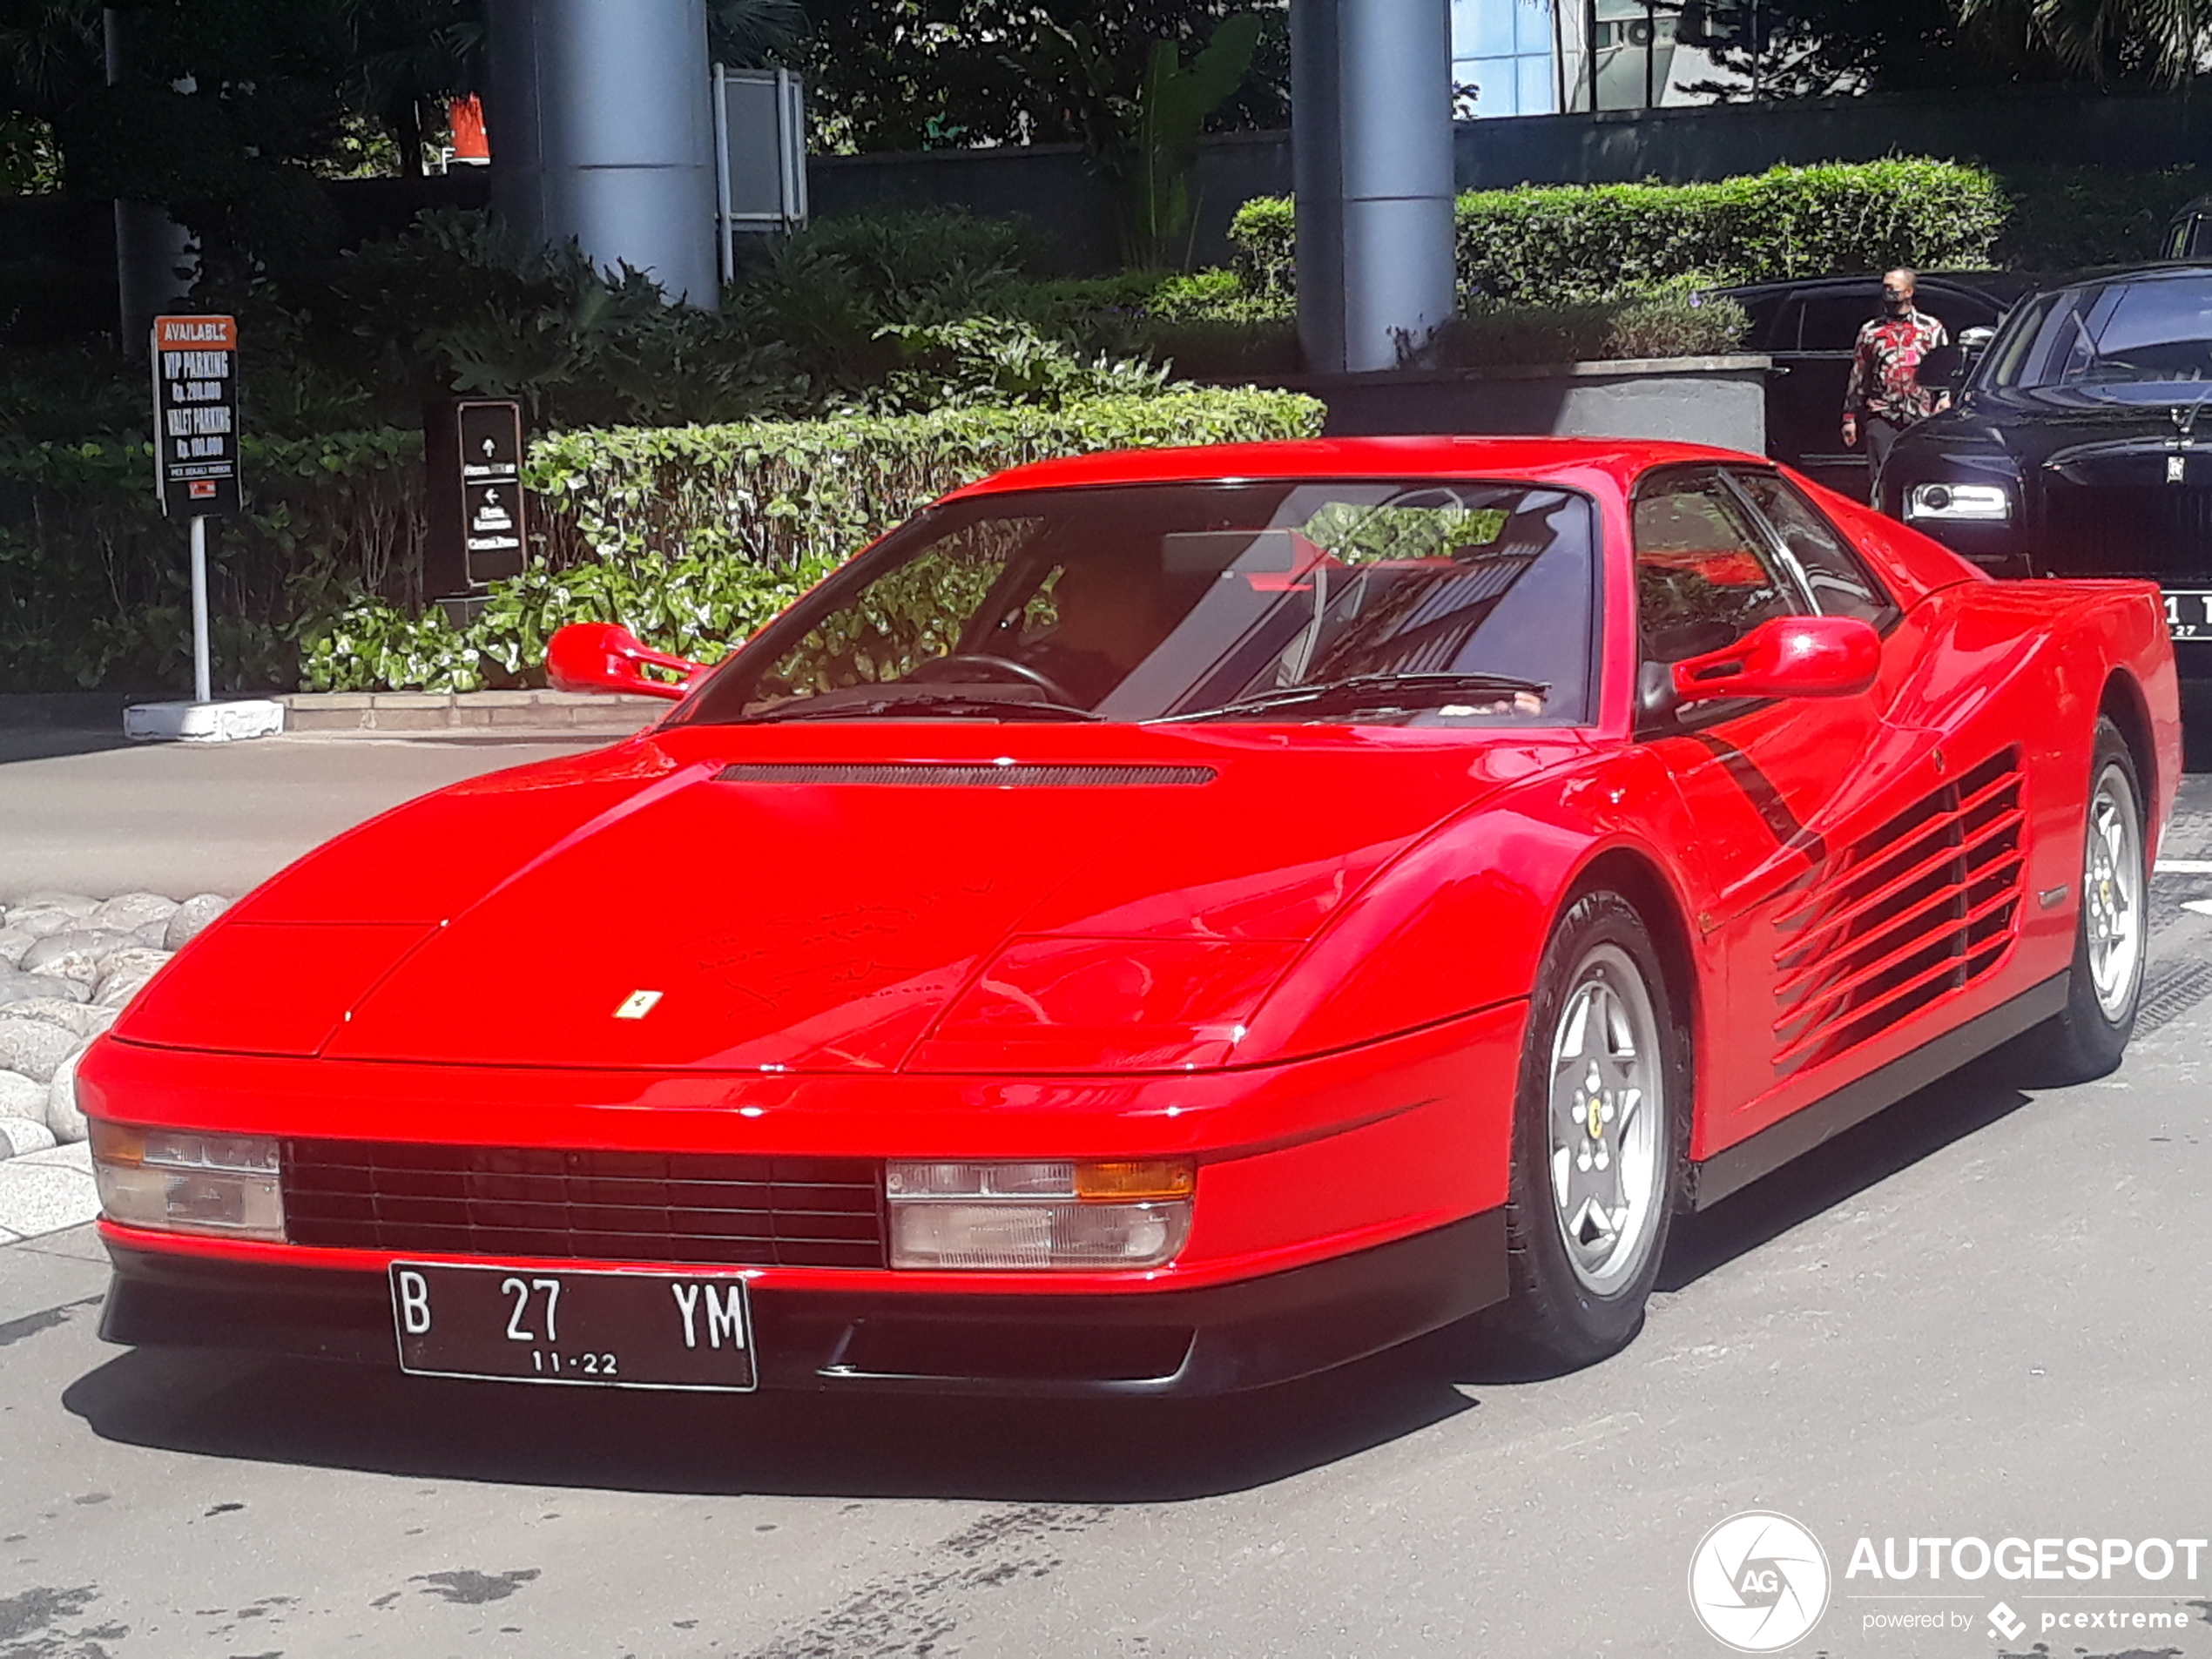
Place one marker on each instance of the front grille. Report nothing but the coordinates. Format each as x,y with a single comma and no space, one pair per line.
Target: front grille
1923,905
504,1201
2155,531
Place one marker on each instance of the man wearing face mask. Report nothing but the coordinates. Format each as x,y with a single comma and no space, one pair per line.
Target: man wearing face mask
1885,395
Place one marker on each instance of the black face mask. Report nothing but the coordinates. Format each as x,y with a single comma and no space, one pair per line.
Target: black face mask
1895,303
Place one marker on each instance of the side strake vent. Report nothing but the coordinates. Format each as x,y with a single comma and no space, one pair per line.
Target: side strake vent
930,776
1925,905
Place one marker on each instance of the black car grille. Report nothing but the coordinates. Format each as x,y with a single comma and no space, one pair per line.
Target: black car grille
2157,531
502,1201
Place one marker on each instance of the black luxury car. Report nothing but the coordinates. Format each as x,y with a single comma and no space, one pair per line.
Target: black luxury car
2079,444
1809,327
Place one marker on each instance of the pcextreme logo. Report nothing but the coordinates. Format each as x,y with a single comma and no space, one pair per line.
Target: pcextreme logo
1758,1581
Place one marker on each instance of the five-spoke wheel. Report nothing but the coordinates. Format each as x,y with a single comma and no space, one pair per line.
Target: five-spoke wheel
1598,1134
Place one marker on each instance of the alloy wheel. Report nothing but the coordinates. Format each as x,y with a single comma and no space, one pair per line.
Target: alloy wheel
1607,1108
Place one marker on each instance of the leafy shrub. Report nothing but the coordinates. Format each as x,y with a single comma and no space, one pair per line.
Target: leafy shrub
94,584
1571,242
694,536
1486,335
2066,218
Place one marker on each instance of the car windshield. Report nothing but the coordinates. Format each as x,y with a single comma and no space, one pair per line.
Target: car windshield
2135,341
1285,600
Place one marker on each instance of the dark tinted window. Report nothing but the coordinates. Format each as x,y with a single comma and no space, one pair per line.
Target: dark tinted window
1704,578
1841,585
1832,320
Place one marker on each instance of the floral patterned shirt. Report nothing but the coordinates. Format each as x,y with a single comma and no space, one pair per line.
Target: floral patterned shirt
1884,366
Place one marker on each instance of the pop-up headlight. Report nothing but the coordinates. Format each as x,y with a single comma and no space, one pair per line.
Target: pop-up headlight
1048,1215
228,1186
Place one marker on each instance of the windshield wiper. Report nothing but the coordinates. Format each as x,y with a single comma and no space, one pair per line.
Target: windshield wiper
1372,692
917,702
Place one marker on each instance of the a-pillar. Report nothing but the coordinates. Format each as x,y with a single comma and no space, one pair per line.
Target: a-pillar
1370,138
601,124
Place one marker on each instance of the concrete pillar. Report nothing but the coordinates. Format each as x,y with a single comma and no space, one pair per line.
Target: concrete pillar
602,127
1371,137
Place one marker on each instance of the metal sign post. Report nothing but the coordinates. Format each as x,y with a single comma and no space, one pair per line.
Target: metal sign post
195,446
196,475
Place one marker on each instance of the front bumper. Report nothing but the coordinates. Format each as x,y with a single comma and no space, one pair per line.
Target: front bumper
1219,1338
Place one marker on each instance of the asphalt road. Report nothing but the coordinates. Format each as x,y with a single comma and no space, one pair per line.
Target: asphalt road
82,811
1980,1315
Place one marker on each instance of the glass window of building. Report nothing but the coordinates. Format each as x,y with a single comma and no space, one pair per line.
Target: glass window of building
1503,50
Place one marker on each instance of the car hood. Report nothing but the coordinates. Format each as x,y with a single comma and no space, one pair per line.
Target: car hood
786,900
2033,427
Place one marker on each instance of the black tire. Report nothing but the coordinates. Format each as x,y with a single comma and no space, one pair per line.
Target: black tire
1552,1307
2087,1039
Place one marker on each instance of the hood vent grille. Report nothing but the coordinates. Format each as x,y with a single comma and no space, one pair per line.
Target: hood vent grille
937,775
1927,904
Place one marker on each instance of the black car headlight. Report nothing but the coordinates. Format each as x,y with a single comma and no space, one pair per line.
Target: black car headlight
1957,504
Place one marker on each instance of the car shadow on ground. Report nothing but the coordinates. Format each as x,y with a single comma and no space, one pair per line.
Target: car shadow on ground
1967,1102
353,1417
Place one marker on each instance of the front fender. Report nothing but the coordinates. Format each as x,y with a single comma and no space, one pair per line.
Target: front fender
1459,920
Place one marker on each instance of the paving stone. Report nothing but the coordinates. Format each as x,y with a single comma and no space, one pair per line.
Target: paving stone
127,911
33,1048
24,988
193,915
19,1136
22,1099
75,953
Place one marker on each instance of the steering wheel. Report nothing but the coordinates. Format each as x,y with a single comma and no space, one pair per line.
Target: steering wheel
1003,669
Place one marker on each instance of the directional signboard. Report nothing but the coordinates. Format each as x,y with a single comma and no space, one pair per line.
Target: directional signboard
195,415
477,530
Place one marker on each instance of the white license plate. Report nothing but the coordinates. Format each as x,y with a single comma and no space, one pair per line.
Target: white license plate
2189,613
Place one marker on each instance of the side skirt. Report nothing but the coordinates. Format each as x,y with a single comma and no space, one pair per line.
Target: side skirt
1736,1167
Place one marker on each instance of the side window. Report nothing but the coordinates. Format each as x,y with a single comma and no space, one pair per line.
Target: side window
1841,586
1704,578
1832,320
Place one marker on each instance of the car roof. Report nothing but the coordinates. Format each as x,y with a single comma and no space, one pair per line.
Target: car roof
1990,285
1542,460
2145,271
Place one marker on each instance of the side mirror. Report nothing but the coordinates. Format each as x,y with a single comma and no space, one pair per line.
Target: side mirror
606,656
1789,657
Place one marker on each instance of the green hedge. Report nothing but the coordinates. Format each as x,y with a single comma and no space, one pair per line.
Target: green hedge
1542,244
2065,218
95,586
691,535
694,536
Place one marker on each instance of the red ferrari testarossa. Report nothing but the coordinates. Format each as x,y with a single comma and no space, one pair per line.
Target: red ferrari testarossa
1161,922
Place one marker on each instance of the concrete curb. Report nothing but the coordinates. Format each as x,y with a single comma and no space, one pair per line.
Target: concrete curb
388,714
44,1192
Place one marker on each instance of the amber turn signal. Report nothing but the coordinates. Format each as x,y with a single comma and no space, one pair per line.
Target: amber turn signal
1154,1178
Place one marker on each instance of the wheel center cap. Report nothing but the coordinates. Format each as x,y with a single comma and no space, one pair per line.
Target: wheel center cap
1596,1116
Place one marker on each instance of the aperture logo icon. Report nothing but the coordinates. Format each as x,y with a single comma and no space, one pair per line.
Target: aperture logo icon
1758,1581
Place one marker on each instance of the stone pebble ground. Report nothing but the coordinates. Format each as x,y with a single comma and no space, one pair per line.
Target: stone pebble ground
69,964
